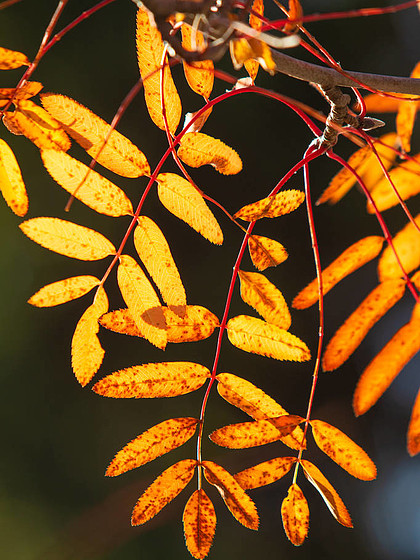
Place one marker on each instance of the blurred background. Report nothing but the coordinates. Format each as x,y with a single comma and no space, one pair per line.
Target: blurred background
57,438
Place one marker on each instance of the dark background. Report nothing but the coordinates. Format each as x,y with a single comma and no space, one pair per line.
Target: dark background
57,438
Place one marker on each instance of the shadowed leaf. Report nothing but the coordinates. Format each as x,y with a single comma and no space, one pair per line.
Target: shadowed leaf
63,291
26,91
295,515
265,252
197,149
272,207
11,182
264,473
199,521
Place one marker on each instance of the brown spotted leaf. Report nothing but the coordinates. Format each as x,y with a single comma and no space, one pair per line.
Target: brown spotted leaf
264,473
265,252
249,434
10,60
407,245
413,435
197,149
26,91
295,515
271,207
63,291
11,182
199,74
199,522
256,23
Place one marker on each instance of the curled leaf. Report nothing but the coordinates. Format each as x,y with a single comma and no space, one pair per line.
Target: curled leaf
199,521
197,149
272,207
295,515
63,291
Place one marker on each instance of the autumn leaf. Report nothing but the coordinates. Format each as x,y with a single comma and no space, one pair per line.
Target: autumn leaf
257,336
295,13
350,260
407,246
66,238
265,252
199,521
26,91
341,449
248,434
11,182
165,379
63,291
162,491
256,23
244,49
377,103
86,350
181,199
118,154
9,60
152,443
199,74
295,515
413,435
272,207
355,328
236,499
86,184
406,115
197,149
264,473
199,122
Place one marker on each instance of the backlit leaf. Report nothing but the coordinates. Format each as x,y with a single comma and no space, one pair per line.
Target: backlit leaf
199,122
11,182
413,435
271,207
162,491
236,499
86,184
264,473
266,252
377,103
256,23
350,260
152,443
118,155
199,521
247,434
199,74
246,49
66,238
63,291
355,328
27,90
295,13
341,449
165,379
183,201
406,115
12,59
407,245
295,515
197,149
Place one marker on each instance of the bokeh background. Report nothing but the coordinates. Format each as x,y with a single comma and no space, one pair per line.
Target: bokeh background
57,438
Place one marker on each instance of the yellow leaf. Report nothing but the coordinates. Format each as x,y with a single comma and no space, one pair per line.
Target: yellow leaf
271,207
413,435
166,379
66,238
238,502
264,473
63,291
257,336
12,59
86,184
152,443
184,202
295,515
197,149
350,260
295,12
341,449
266,252
162,491
355,328
142,301
245,49
407,245
264,297
86,351
149,56
11,182
199,122
256,23
200,74
376,103
29,89
247,434
406,115
199,521
118,155
153,250
329,494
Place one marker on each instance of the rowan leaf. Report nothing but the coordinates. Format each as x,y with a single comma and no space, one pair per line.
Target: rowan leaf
27,90
350,260
258,292
199,74
150,49
272,207
63,291
86,184
250,434
265,252
9,60
165,379
264,473
11,182
377,103
142,301
257,336
236,499
406,115
295,12
341,449
152,443
163,490
407,246
295,515
67,238
181,199
154,252
199,122
86,350
329,494
199,521
197,149
118,154
256,23
355,328
413,435
247,49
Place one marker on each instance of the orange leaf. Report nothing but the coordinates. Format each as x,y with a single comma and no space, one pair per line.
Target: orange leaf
162,491
265,252
407,111
199,122
200,74
247,49
355,328
295,515
341,449
142,301
329,494
63,291
10,60
11,182
256,23
272,207
166,379
199,521
264,473
238,502
66,238
413,435
250,434
86,351
118,155
152,443
29,89
295,13
197,149
377,103
350,260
